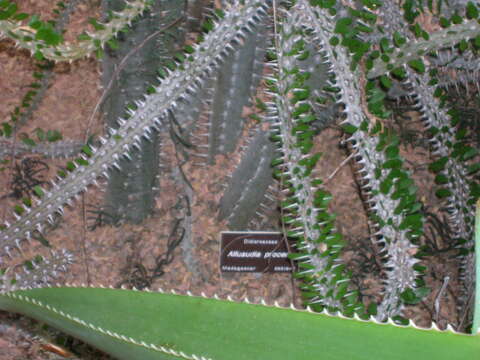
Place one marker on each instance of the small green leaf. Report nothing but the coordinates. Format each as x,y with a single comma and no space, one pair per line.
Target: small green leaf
21,16
28,141
49,35
442,193
438,165
392,164
301,94
40,134
444,22
398,39
38,191
35,22
334,41
343,25
386,81
411,221
87,150
28,265
392,152
81,161
385,45
53,135
399,72
113,43
417,64
189,49
473,168
10,11
349,128
469,153
7,129
456,19
99,53
386,185
38,55
18,209
472,10
372,308
71,166
476,42
409,297
97,26
463,45
27,201
441,179
83,37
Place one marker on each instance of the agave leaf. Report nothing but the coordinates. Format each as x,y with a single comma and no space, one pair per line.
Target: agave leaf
137,325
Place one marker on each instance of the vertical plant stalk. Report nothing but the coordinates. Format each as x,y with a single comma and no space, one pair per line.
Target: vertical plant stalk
324,283
449,167
447,148
394,230
235,82
249,183
248,189
130,193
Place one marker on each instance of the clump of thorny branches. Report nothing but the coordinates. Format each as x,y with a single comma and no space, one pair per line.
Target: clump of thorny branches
351,61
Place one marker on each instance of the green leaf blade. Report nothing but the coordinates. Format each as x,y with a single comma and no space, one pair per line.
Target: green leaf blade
227,330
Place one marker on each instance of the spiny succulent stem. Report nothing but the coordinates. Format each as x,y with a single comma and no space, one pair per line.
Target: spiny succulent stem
441,39
151,112
69,52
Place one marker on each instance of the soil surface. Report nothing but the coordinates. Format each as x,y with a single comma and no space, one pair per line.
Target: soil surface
154,254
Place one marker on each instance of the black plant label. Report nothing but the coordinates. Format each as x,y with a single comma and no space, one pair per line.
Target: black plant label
255,252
